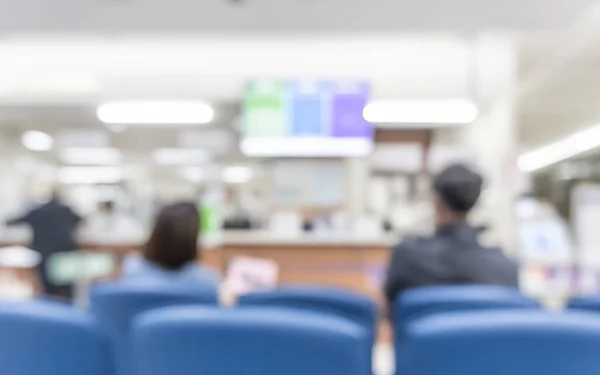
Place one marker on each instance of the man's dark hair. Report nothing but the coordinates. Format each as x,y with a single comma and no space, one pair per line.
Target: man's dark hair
458,187
174,239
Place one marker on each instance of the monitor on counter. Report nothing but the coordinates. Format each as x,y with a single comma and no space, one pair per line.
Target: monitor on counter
305,119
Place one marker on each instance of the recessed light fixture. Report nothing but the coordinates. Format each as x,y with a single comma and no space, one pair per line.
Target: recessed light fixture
156,112
90,175
180,156
193,174
37,141
440,111
90,156
35,82
237,174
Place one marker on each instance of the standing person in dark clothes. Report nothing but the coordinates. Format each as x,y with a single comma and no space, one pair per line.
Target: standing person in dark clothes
453,255
53,225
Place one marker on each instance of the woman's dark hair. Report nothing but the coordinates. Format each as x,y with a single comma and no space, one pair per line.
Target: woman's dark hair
174,239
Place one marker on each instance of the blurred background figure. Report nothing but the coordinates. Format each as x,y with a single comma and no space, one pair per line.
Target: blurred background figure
53,225
453,255
110,219
171,251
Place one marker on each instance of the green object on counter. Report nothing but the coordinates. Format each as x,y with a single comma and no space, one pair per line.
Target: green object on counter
209,221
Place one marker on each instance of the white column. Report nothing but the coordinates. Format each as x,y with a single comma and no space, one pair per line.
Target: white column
356,185
492,137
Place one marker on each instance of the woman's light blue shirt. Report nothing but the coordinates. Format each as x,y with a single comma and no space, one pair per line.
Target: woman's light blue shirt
137,267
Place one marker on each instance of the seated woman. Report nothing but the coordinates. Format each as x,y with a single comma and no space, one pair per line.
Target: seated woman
171,252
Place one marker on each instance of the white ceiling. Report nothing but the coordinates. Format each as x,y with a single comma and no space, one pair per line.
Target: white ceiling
559,91
216,68
128,48
219,138
284,15
37,74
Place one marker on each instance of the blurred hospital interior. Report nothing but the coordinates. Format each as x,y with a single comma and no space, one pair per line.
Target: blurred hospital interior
302,145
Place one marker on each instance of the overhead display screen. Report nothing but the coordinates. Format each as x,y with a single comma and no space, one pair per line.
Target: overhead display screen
305,119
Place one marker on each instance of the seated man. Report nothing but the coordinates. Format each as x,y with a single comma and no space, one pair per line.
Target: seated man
453,255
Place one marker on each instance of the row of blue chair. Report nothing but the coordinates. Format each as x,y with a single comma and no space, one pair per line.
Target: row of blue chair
46,338
108,341
315,330
116,305
50,338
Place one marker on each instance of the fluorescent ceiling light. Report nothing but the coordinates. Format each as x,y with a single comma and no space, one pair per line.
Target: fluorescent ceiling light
306,147
81,137
90,175
50,82
37,141
573,145
90,156
193,174
180,156
237,174
442,111
155,112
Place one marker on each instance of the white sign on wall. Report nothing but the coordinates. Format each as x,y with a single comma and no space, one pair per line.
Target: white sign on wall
585,213
407,158
308,183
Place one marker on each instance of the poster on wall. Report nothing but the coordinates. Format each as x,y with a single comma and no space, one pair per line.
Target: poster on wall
307,183
400,158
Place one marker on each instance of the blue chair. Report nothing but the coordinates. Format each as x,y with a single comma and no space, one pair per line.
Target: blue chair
116,304
427,300
333,301
47,338
339,302
251,341
513,342
586,303
420,302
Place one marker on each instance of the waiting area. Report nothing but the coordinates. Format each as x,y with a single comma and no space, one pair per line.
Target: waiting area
299,187
150,329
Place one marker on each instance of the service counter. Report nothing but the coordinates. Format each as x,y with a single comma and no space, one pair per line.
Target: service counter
353,262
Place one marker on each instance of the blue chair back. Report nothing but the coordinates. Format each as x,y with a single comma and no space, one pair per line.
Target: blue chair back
420,302
339,302
585,303
47,338
116,305
513,342
251,341
334,301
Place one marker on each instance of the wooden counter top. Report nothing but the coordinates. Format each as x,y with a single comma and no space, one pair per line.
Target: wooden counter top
352,262
228,238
